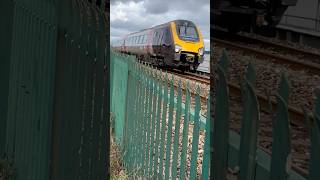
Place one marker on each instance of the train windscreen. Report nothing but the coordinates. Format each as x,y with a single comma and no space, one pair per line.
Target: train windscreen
187,33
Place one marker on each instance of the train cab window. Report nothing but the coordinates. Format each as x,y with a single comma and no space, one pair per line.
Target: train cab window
188,33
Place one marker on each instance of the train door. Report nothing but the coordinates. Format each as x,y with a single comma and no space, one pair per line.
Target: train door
166,45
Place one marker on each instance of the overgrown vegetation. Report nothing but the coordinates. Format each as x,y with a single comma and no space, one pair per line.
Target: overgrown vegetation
118,172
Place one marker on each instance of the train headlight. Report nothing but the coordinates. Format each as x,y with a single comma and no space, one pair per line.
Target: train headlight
177,48
201,51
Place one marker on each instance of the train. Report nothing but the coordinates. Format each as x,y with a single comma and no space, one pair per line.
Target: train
176,44
258,16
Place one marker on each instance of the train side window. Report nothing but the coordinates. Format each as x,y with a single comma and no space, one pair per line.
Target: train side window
144,39
155,35
158,38
166,38
161,37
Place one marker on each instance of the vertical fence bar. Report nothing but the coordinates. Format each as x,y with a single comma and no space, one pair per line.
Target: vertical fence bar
158,130
314,172
185,133
281,134
149,121
206,154
135,115
163,125
145,107
169,132
249,128
153,123
221,121
6,35
195,136
176,134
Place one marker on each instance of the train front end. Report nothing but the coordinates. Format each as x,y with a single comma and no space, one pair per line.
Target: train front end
188,44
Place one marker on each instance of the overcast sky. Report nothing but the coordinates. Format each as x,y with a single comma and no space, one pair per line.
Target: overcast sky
128,16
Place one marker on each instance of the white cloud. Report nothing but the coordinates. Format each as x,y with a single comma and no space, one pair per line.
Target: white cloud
128,16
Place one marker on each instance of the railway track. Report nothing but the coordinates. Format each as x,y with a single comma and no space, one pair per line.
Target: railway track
296,115
296,59
294,64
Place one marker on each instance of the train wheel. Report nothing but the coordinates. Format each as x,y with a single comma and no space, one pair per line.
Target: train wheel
193,68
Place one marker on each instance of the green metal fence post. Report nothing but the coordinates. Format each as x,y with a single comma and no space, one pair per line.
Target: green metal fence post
185,133
153,121
281,134
221,121
6,36
249,128
149,120
206,154
195,135
169,131
163,125
158,119
176,133
314,172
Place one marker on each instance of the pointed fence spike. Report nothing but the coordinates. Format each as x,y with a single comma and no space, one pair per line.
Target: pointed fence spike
281,137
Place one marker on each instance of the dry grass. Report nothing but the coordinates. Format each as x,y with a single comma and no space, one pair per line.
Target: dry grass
118,172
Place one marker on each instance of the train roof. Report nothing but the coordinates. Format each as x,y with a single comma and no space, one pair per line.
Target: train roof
163,24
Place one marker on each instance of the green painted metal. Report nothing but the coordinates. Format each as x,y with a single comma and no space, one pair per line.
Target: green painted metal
314,172
195,136
6,35
144,141
185,134
221,126
281,134
147,132
175,153
45,77
249,128
206,154
153,123
163,125
169,130
120,77
158,119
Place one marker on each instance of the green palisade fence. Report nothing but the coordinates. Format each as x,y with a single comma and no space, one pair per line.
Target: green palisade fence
53,113
241,153
154,147
153,143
